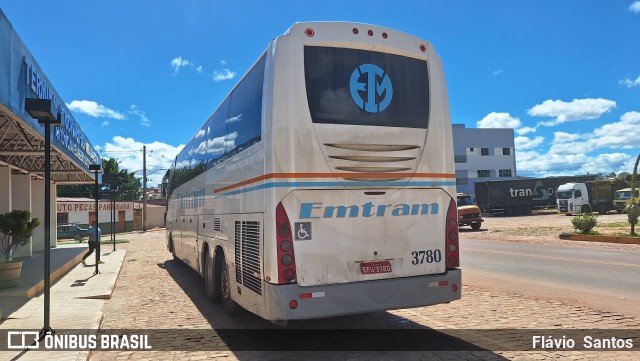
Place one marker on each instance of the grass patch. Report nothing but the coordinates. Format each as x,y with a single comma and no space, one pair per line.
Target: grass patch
614,225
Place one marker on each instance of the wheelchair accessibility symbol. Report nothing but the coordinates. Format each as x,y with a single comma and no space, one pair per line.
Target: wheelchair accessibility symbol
302,231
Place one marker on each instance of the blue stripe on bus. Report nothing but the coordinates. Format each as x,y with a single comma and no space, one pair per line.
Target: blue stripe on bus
337,184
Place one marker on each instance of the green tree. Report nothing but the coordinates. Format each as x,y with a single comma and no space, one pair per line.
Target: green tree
632,210
16,227
126,185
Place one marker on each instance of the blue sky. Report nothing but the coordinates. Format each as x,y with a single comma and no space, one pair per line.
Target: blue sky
564,74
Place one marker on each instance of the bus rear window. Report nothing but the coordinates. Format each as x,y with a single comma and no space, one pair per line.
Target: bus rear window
359,87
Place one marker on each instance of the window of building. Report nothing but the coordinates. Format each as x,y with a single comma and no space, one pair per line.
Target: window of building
504,172
506,151
62,218
460,158
471,149
484,151
484,173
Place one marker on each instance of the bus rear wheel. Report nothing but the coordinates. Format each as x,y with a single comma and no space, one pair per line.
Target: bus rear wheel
228,304
209,274
172,249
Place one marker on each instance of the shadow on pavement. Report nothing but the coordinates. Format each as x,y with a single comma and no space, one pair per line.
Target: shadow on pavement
371,335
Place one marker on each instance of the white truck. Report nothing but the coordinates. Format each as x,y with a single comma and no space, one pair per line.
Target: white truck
576,198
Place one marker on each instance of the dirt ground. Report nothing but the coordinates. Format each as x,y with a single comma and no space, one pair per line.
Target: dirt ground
545,226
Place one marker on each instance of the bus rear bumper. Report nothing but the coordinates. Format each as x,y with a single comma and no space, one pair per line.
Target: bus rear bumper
361,297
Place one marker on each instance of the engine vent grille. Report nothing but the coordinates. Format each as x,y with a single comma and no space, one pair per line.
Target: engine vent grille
372,162
247,247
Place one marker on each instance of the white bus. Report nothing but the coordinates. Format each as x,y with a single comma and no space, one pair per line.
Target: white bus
324,183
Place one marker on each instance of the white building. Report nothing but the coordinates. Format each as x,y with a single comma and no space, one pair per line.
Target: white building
482,154
82,211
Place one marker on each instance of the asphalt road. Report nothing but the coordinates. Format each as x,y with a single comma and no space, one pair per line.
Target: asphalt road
608,280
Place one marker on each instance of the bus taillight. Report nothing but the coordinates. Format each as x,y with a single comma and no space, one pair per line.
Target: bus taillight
286,259
451,236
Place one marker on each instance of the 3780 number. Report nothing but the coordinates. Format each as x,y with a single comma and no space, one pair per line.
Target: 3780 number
428,256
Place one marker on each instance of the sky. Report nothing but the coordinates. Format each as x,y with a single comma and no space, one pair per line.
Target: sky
564,74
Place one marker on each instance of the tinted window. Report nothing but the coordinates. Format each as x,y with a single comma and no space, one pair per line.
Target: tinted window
245,113
217,134
349,86
233,127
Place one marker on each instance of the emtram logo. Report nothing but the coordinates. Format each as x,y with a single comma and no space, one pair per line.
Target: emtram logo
378,94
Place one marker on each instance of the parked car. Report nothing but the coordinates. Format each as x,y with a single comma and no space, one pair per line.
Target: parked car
468,212
71,231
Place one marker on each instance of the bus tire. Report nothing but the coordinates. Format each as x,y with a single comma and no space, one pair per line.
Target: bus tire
172,249
211,287
228,304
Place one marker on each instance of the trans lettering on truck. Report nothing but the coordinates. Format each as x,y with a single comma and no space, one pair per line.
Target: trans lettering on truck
539,192
319,210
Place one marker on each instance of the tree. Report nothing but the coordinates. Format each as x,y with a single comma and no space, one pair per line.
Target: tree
126,185
633,211
16,227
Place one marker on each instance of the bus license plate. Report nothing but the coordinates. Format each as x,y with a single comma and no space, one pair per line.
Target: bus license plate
369,268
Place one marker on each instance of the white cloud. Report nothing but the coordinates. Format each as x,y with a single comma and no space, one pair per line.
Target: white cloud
567,143
199,69
635,7
570,152
178,63
496,72
234,119
94,109
224,74
562,137
144,120
630,83
526,143
499,120
128,153
105,123
623,134
201,133
578,109
607,163
526,130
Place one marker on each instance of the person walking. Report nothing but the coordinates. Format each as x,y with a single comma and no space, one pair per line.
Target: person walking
93,243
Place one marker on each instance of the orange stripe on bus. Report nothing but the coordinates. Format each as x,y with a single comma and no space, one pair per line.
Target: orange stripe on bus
334,175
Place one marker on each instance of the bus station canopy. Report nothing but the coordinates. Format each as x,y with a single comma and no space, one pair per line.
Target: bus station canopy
22,141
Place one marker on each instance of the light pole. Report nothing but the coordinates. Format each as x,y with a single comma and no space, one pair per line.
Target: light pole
96,169
40,109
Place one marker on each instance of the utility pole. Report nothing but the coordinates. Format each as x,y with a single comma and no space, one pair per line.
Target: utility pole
144,188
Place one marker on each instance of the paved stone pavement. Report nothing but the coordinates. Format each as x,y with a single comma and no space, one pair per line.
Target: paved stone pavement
76,303
154,293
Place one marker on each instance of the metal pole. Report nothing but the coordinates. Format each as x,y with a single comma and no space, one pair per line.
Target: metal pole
97,239
113,226
47,228
144,188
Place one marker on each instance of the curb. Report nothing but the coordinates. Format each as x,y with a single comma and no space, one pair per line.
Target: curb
606,239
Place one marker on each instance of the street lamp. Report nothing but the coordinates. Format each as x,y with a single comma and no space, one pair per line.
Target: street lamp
96,169
40,109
